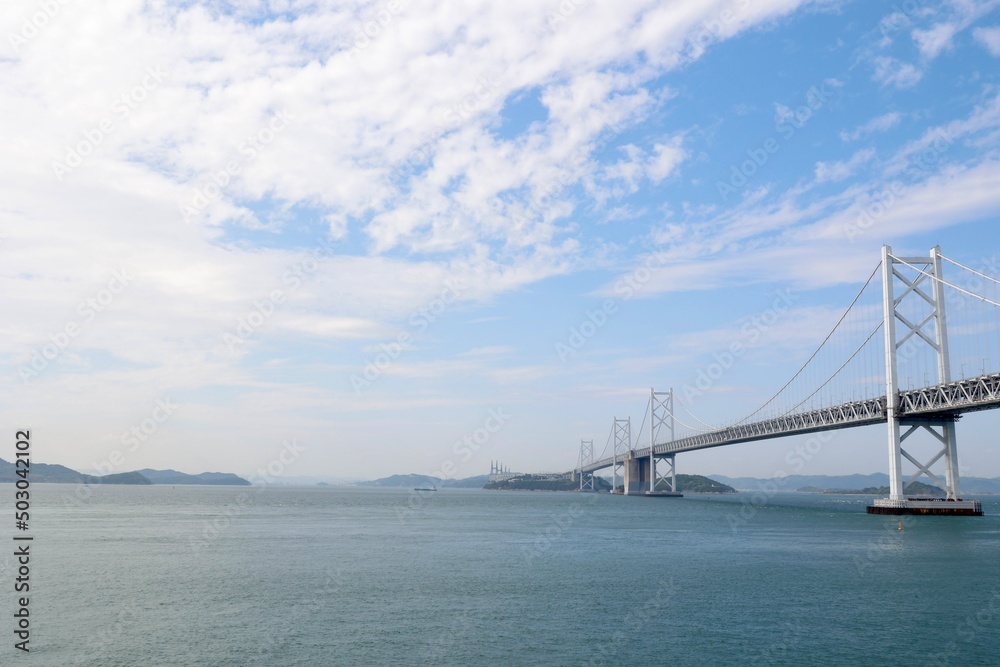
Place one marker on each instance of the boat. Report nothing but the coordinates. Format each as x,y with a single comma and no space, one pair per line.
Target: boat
424,488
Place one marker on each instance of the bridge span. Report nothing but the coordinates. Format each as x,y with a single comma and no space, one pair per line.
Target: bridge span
906,327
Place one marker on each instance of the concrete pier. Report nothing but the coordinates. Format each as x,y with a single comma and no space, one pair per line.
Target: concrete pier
927,506
636,474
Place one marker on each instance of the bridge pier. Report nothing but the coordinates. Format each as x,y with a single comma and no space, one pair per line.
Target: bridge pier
637,474
641,478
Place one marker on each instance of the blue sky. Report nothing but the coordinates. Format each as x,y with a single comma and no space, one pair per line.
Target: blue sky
458,191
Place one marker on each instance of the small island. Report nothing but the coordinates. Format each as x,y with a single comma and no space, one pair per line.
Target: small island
912,489
539,483
701,484
685,484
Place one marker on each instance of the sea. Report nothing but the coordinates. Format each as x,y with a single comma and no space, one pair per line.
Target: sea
198,575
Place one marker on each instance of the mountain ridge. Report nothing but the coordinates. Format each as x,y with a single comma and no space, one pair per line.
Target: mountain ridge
54,473
970,485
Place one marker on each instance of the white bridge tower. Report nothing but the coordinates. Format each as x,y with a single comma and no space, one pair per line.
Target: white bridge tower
920,278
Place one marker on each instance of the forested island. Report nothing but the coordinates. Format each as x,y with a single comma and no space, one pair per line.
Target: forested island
539,483
685,484
53,473
912,489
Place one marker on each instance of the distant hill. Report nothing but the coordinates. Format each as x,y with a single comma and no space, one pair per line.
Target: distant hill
969,485
793,482
911,489
119,478
477,482
52,473
403,481
533,483
413,481
701,484
175,477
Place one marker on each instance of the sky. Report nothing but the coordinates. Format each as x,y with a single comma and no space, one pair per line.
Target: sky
349,240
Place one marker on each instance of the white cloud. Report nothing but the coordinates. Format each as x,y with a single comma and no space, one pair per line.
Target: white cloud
817,242
653,165
400,153
934,40
990,38
878,124
838,171
665,159
893,72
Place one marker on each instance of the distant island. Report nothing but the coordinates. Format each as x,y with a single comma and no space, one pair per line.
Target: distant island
911,489
685,484
701,484
420,481
528,482
537,483
51,473
874,483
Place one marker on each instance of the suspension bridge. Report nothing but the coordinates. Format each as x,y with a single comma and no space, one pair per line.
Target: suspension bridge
889,359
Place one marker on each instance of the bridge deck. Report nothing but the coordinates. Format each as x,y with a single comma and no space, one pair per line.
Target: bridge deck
935,402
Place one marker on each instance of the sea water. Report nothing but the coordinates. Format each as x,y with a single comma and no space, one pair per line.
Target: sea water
186,575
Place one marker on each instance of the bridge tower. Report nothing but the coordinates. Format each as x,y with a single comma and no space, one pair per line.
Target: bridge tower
586,456
622,429
661,416
902,333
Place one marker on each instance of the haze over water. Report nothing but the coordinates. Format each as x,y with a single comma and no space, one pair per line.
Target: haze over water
344,576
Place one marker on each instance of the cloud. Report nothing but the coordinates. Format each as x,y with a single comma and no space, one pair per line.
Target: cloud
665,159
878,124
893,72
990,38
653,165
934,40
838,171
814,241
402,170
